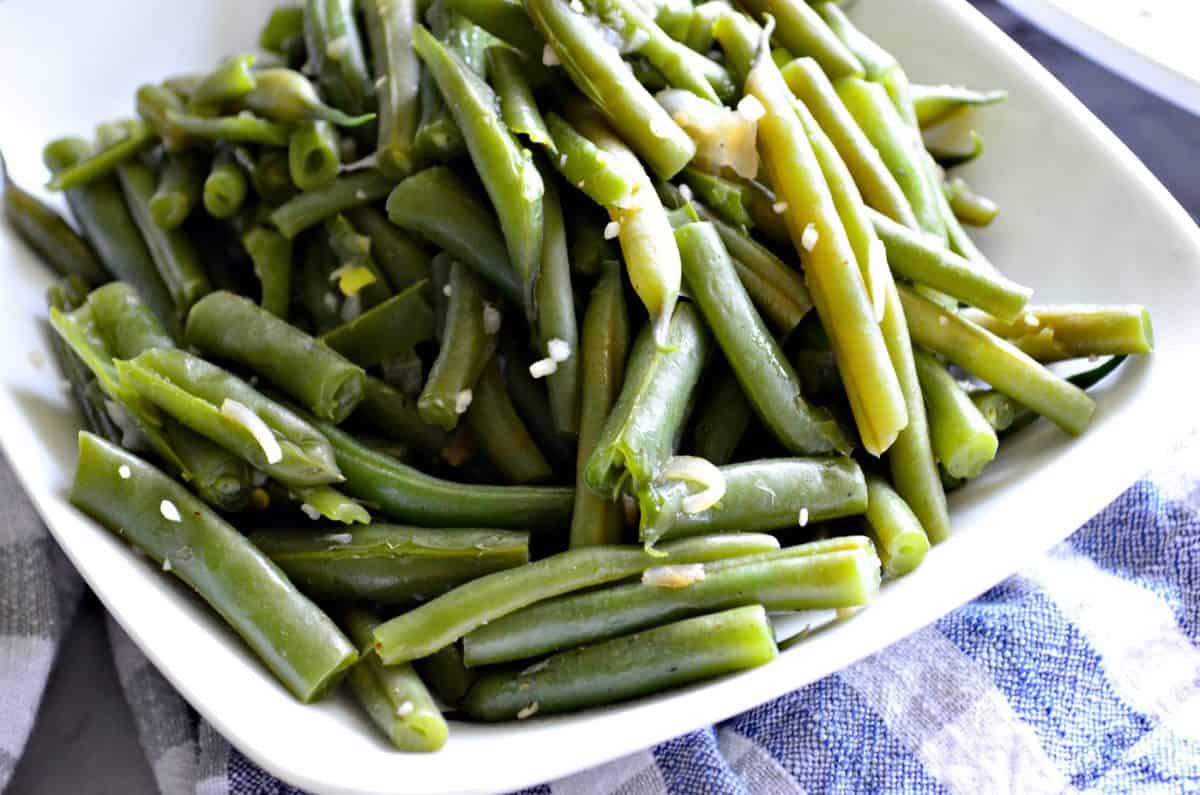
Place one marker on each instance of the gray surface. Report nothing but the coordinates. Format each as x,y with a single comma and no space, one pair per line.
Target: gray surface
84,741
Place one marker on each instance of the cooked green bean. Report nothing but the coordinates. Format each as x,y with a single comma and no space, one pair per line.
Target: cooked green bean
838,291
899,537
604,345
107,224
915,257
517,104
398,256
298,642
48,233
179,190
387,329
647,662
721,419
440,622
968,206
602,178
390,26
934,104
952,156
66,295
153,102
225,186
286,96
801,30
336,54
757,360
640,433
842,572
198,395
438,206
314,206
509,177
271,254
1053,333
1008,416
396,416
230,81
321,301
596,68
245,127
285,23
466,347
589,249
963,440
389,564
724,197
556,324
532,402
997,362
395,697
408,495
500,432
331,504
446,675
437,139
359,279
313,155
124,141
506,20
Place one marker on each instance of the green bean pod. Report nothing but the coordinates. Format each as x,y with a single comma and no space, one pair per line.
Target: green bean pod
602,178
997,362
501,433
506,20
122,143
301,646
640,433
230,81
596,68
968,206
440,622
390,25
556,317
389,564
1008,416
244,128
465,350
801,31
721,419
934,104
395,697
48,233
765,374
402,261
271,254
313,155
1054,333
396,417
438,206
335,51
314,206
722,196
285,23
899,537
517,104
647,662
409,495
437,139
963,440
387,329
179,190
841,572
235,328
287,96
225,186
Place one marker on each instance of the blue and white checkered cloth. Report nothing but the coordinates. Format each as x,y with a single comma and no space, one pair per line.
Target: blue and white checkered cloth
1080,673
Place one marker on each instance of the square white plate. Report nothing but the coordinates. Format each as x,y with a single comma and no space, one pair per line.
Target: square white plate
1151,42
1082,220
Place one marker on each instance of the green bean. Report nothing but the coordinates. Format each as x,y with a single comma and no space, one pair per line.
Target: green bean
963,440
335,52
506,20
229,82
225,186
314,206
440,622
509,177
517,104
801,31
1008,416
408,495
389,564
898,534
236,329
358,277
703,17
914,257
879,188
647,662
331,504
179,190
556,322
879,65
286,96
193,392
320,300
602,178
284,24
399,257
172,250
721,419
313,155
682,67
438,206
532,402
838,291
724,197
48,233
605,343
500,432
968,206
394,697
758,362
397,417
437,139
107,224
446,675
952,156
842,572
301,646
596,68
271,254
387,329
640,433
66,295
1054,333
245,127
124,141
934,104
465,351
153,102
643,228
589,249
390,26
997,362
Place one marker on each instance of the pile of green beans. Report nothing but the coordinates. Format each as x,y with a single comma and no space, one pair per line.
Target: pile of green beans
493,341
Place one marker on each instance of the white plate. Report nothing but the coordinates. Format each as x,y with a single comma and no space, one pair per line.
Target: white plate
1082,220
1151,42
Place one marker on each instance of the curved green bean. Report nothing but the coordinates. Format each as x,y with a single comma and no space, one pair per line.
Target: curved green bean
387,329
286,96
517,104
271,254
245,128
465,350
123,141
336,54
585,165
314,206
1053,333
934,104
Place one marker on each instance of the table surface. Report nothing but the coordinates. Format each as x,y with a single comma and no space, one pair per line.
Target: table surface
85,740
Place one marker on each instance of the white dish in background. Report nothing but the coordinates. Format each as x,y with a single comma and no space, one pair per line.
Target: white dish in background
1082,221
1151,42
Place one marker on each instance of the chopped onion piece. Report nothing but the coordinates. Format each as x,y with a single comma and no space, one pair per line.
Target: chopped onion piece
491,319
809,238
125,472
723,137
612,229
543,367
169,511
673,576
701,471
310,511
243,416
559,350
462,401
549,56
